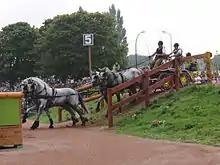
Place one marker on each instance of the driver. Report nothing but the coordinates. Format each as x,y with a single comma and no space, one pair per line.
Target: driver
160,55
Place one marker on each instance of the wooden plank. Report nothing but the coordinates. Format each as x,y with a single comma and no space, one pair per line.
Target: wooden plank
189,58
161,67
92,98
85,87
11,136
160,83
11,94
126,84
128,99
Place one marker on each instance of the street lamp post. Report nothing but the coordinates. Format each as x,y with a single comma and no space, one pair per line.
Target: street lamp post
171,38
136,64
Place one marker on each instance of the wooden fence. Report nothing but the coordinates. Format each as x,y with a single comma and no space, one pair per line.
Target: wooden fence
148,87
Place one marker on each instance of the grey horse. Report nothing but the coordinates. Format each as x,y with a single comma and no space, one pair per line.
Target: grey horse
108,79
46,97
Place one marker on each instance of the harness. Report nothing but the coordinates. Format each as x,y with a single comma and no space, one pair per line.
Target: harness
116,77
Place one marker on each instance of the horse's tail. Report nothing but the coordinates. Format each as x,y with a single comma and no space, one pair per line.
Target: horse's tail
82,103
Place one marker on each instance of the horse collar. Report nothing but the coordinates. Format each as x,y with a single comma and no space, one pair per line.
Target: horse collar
44,89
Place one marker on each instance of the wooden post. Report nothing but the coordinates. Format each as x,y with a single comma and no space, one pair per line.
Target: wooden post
146,81
177,74
59,114
90,60
110,115
102,104
209,67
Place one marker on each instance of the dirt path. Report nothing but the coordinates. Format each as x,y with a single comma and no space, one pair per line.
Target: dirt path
92,146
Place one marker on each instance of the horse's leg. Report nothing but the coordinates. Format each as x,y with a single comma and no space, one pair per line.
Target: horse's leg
98,103
133,90
78,110
82,117
106,99
118,100
39,112
25,116
82,103
73,116
51,120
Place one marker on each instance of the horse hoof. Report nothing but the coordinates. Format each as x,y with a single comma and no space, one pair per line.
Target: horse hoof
97,110
33,128
106,116
51,126
83,124
73,125
24,121
85,119
75,120
35,125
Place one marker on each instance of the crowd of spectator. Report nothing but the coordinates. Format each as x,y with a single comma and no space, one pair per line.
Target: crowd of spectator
52,81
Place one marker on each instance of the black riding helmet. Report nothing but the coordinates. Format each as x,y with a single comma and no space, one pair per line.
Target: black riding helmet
160,43
188,54
176,45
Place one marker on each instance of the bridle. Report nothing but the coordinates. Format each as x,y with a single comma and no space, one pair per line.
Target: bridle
31,94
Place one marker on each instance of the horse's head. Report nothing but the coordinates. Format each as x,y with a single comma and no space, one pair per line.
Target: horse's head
28,86
95,78
107,78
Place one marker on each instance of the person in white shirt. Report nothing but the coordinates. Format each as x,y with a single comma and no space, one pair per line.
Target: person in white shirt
178,53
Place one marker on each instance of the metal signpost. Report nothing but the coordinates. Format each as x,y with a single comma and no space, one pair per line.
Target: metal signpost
88,40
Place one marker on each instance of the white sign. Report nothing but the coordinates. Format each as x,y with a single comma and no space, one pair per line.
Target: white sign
88,40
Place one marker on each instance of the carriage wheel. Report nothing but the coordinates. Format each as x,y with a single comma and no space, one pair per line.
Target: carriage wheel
167,85
185,79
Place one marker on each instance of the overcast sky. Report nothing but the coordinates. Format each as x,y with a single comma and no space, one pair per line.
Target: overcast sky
194,24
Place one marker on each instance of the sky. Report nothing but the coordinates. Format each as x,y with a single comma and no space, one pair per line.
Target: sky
194,24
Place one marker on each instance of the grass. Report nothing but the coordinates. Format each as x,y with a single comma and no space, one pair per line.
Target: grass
191,115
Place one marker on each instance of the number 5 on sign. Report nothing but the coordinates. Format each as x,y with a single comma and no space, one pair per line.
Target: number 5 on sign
88,39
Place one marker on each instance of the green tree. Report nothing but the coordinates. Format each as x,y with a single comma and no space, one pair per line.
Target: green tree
17,54
119,21
61,49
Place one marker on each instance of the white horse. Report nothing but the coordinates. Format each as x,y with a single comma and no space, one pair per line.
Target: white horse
46,97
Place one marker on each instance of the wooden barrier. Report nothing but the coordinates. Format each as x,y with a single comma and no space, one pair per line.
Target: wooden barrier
148,87
10,119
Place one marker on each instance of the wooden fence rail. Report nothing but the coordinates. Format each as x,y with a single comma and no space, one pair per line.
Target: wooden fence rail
147,87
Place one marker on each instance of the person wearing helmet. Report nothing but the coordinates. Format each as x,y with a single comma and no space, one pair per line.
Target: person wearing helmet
116,67
160,55
178,52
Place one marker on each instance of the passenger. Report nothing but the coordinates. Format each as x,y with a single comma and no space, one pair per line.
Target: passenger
178,53
192,64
